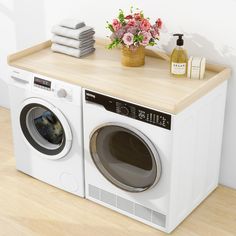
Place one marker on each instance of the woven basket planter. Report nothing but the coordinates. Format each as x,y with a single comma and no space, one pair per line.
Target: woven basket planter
133,57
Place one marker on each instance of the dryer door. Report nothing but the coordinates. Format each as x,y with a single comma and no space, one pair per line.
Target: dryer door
125,157
45,128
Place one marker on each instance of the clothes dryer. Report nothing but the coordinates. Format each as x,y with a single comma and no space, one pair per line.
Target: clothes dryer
150,165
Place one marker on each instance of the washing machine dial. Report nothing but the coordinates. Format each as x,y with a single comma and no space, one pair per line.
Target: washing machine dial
62,93
124,110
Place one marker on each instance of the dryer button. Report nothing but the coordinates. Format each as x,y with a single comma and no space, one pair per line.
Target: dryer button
124,110
61,93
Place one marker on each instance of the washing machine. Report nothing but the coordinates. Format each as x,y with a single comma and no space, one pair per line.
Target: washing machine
46,119
147,164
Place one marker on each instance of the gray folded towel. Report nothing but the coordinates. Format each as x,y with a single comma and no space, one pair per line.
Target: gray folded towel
71,51
87,42
78,34
72,23
86,35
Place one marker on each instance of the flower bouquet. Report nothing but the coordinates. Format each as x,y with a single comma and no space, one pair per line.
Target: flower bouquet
134,32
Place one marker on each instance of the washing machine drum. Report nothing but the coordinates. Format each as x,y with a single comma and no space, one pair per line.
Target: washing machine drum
125,157
45,128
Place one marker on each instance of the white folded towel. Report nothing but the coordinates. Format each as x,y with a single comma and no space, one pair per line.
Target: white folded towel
72,42
71,51
72,23
78,34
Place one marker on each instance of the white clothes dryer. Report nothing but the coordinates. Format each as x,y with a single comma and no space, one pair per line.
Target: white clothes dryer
47,130
147,164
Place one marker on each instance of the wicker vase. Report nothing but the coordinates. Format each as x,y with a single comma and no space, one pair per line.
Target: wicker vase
133,57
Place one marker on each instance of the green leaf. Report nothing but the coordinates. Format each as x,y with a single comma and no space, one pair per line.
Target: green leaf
138,38
152,43
121,16
110,27
114,43
141,14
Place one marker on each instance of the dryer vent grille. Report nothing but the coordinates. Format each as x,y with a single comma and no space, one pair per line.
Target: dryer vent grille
127,206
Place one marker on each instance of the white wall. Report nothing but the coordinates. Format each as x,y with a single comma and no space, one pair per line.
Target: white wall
21,25
208,26
7,44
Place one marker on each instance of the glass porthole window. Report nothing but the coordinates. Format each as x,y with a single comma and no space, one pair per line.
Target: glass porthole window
44,130
125,157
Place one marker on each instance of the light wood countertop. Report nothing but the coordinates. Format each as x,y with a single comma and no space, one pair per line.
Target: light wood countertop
150,85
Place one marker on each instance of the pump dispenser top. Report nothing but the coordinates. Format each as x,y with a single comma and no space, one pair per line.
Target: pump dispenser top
180,41
179,58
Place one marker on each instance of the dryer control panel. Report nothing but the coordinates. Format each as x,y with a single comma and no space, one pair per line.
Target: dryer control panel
134,111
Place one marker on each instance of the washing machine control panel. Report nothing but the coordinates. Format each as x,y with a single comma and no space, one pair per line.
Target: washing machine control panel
130,110
42,83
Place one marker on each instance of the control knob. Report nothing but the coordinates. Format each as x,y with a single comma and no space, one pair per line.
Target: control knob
124,110
61,93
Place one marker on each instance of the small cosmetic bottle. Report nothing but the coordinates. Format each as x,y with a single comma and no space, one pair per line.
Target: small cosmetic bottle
196,67
179,59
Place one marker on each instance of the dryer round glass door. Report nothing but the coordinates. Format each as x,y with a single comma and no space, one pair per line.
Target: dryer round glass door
125,157
45,128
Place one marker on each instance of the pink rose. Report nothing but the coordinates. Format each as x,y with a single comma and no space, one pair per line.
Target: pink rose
146,38
131,23
129,17
159,23
132,29
128,39
116,25
137,16
120,32
145,25
155,31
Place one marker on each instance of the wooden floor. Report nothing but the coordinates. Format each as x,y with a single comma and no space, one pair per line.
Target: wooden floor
30,207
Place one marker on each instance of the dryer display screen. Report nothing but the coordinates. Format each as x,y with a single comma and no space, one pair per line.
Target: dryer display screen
134,111
42,83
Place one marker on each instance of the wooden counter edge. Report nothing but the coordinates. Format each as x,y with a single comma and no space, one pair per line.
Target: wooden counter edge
212,83
15,56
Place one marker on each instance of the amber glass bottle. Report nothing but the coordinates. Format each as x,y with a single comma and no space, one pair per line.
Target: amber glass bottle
179,59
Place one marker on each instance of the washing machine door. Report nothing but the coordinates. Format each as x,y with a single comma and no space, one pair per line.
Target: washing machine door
125,157
45,128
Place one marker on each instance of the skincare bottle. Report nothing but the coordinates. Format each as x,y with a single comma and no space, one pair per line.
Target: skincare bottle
179,59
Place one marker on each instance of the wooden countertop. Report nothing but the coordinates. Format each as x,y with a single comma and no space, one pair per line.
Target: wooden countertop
150,85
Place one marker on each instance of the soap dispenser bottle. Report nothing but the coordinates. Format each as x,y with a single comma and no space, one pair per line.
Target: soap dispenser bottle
179,59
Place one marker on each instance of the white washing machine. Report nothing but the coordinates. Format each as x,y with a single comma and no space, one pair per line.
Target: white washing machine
149,165
47,130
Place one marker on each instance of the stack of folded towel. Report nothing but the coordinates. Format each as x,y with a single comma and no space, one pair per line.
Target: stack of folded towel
73,37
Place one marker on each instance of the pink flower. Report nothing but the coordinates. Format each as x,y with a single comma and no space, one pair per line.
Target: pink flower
116,25
137,16
132,29
129,17
120,32
146,38
155,31
145,25
128,39
159,23
131,23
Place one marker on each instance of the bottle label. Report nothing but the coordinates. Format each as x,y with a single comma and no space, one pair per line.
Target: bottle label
178,68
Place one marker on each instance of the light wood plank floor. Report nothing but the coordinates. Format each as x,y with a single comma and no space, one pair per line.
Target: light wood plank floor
30,207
